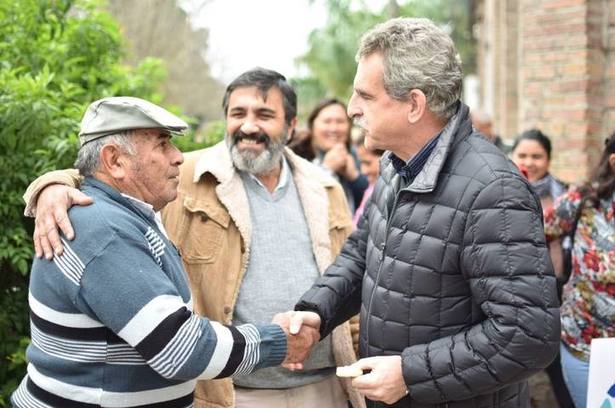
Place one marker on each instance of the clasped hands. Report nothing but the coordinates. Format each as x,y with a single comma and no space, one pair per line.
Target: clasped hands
384,382
302,333
383,379
339,160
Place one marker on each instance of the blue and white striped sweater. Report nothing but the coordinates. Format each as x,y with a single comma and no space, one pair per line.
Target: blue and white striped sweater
112,322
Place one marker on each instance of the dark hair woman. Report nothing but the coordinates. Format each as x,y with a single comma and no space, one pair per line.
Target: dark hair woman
328,145
531,151
588,303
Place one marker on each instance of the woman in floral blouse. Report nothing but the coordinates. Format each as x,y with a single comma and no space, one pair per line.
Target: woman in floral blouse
588,303
531,152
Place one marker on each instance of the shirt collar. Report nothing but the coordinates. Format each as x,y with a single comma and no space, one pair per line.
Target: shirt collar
141,205
147,209
284,175
409,170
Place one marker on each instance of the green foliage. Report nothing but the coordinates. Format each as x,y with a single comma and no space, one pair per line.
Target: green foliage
57,57
332,48
13,317
309,92
455,17
214,132
209,136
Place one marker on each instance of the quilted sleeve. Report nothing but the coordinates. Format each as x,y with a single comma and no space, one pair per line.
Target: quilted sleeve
336,296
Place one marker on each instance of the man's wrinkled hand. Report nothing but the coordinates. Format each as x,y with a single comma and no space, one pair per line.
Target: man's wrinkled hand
385,381
52,214
302,333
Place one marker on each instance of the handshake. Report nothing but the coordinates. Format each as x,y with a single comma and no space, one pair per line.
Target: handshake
384,379
302,333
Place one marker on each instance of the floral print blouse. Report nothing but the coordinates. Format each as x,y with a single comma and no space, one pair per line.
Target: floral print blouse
588,301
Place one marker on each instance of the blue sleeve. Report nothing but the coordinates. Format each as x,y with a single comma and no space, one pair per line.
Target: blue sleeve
130,294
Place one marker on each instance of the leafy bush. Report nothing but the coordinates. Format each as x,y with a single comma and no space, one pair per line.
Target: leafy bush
57,57
208,136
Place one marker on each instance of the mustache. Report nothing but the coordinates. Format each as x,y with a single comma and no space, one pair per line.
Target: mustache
360,122
257,137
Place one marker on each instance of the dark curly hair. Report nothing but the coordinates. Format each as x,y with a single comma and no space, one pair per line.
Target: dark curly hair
603,176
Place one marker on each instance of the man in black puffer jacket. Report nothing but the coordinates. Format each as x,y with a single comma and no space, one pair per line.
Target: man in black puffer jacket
448,268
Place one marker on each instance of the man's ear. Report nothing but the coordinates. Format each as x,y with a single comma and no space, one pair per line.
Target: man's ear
417,105
291,128
612,161
114,161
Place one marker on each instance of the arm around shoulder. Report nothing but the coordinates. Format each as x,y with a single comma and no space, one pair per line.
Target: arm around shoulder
68,177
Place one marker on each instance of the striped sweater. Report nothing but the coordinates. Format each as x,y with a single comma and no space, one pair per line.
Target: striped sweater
112,322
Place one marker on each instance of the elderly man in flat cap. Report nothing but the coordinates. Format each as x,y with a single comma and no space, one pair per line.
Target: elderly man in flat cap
111,318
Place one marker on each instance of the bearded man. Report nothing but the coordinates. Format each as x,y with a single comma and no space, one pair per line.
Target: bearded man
255,226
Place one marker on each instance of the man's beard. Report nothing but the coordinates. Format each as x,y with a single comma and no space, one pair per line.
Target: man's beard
253,163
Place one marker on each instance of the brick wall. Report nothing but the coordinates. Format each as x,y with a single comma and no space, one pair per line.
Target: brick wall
557,73
609,71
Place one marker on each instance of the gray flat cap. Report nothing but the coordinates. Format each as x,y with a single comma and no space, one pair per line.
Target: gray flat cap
117,113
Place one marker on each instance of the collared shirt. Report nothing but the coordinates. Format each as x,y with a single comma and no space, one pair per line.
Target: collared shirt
408,171
284,175
148,209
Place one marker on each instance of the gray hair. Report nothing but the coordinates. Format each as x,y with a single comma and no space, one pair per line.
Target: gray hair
417,55
88,157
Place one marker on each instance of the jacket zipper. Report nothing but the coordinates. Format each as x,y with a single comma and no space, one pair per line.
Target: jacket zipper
384,245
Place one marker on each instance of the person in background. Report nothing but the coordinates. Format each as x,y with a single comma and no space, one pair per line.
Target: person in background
330,147
481,121
111,317
369,160
588,302
255,225
448,265
531,152
300,143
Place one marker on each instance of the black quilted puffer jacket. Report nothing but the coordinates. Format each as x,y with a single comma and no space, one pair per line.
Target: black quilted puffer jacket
453,273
